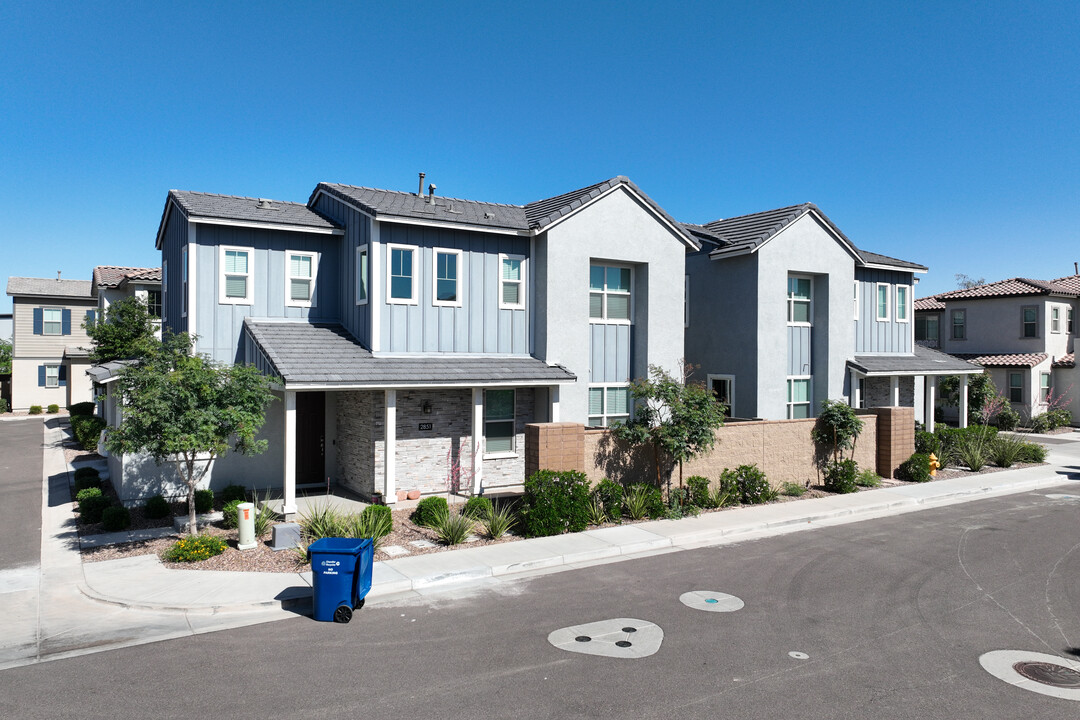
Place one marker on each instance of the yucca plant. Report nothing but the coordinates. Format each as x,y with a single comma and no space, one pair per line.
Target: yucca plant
972,450
265,515
597,514
453,528
499,522
374,522
322,520
636,502
1005,450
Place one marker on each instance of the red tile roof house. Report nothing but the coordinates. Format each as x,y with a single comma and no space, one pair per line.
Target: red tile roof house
1023,331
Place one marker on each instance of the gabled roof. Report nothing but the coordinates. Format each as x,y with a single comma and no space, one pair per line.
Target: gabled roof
1004,360
111,276
1014,287
872,258
234,208
49,287
1065,361
929,303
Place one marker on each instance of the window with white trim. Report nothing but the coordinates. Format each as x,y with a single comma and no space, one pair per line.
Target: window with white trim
1044,387
903,296
1055,319
610,293
153,303
882,301
608,404
52,322
236,276
52,376
499,431
511,282
362,275
800,300
401,275
1016,387
301,269
446,277
798,397
1031,322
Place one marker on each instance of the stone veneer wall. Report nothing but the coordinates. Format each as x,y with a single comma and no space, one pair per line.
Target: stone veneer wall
877,392
357,412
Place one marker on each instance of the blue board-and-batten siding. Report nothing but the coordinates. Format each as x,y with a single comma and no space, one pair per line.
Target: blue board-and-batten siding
173,242
357,227
799,350
479,325
884,336
609,353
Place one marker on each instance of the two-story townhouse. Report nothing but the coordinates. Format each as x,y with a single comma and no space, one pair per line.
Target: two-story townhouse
413,336
1023,331
111,283
784,312
49,357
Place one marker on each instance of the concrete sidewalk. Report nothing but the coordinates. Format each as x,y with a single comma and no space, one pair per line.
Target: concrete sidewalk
143,583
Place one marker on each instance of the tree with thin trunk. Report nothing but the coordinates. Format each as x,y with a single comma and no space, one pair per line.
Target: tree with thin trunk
124,331
185,409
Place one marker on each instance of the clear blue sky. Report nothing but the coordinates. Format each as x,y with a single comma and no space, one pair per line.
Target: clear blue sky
947,133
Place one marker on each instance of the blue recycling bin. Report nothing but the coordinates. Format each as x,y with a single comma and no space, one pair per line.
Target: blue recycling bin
340,576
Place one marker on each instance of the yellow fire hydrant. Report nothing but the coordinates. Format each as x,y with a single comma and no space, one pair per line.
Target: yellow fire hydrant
934,465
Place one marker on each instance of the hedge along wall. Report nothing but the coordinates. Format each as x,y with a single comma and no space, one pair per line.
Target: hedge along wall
783,449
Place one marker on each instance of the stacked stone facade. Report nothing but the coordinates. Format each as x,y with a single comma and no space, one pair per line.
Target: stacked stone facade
877,392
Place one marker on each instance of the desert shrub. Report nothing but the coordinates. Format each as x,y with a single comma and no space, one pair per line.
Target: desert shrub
429,510
597,514
1006,418
973,448
1040,423
115,518
699,492
86,477
321,520
87,430
230,514
679,504
156,507
555,502
82,408
1031,453
641,501
868,478
610,495
916,468
53,409
1060,417
232,492
204,500
91,504
3,406
1005,449
748,485
840,476
195,548
952,438
499,522
264,516
477,507
375,522
453,528
927,442
792,489
35,410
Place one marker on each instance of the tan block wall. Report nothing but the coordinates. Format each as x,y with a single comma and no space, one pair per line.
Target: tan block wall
554,446
896,438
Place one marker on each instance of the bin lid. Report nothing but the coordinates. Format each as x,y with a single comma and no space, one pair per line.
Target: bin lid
338,545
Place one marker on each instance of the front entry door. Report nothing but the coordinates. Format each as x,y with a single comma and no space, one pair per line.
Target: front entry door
310,438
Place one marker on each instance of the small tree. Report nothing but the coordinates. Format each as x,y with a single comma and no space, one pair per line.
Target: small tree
837,426
678,418
5,357
185,409
966,283
126,330
981,392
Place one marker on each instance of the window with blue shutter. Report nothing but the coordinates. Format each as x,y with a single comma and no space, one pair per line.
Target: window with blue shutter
38,321
66,322
41,375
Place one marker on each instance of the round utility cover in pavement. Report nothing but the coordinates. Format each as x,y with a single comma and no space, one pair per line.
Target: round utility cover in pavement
1038,672
618,638
710,601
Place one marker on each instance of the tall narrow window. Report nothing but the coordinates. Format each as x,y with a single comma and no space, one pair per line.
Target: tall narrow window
1031,322
362,275
800,291
236,276
511,282
1016,387
401,275
932,328
153,303
1055,319
959,324
52,321
447,277
1044,387
302,269
882,301
798,403
608,404
901,303
609,293
1068,320
52,376
499,436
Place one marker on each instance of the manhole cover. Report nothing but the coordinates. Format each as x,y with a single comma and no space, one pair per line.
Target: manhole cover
1049,674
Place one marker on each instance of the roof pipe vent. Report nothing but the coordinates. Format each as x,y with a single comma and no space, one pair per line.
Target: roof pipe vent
265,204
420,190
57,276
1076,268
431,193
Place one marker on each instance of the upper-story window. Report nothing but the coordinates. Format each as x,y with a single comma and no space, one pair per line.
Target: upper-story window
52,321
362,275
153,303
926,328
902,300
236,275
800,292
511,282
1068,320
300,281
1055,319
882,301
401,275
959,324
610,293
1031,322
446,278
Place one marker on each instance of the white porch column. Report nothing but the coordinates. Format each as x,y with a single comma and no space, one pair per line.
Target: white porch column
554,394
894,391
929,399
477,440
855,399
289,502
963,400
390,449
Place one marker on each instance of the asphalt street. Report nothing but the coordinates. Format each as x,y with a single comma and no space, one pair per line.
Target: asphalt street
886,618
20,493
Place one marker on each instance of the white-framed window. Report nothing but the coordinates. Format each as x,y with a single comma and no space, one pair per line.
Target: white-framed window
153,303
511,282
1016,387
608,404
610,293
52,376
959,324
1044,387
362,275
798,397
52,321
500,437
800,298
881,301
723,389
1030,322
401,275
903,300
300,271
446,277
184,281
856,299
1055,319
237,276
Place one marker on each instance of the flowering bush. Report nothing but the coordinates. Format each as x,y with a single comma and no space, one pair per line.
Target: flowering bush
195,548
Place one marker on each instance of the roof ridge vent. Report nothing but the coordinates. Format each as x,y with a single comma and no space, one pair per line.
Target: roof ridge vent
265,204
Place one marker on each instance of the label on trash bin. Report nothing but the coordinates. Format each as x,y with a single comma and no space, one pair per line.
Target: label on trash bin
332,565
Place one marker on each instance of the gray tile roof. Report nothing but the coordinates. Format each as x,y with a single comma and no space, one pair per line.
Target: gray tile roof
49,287
108,371
234,207
872,258
325,353
392,203
924,361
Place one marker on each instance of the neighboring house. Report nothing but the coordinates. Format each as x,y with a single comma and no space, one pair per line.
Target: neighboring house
1022,331
112,283
49,356
6,326
784,312
412,336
